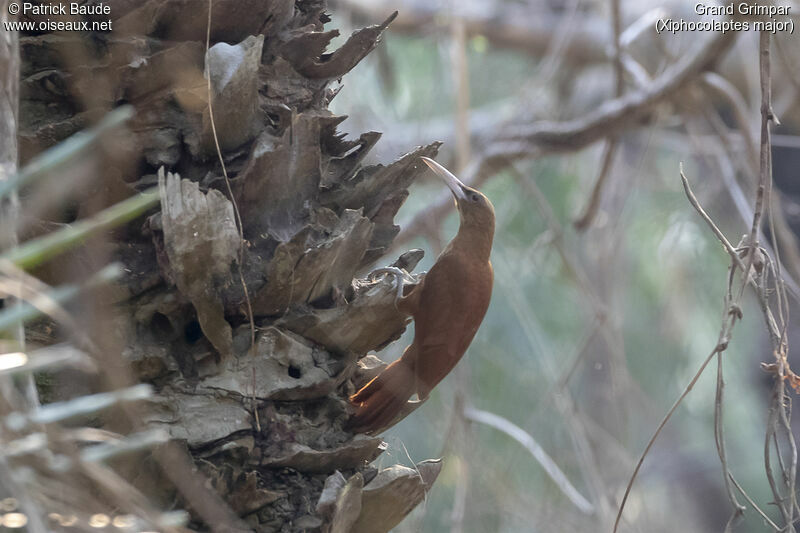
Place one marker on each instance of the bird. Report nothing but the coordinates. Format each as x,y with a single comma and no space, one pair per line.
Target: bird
447,306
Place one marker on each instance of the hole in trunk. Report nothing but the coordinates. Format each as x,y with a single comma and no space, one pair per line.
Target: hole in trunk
192,332
161,325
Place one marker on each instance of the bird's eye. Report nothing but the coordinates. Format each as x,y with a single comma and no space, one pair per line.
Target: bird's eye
474,197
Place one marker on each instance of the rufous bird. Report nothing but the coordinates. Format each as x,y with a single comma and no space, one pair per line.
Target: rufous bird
448,306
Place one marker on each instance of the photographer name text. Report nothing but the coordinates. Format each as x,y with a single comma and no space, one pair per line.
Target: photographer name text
35,17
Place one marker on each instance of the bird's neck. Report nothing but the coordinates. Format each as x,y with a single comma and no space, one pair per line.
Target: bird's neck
477,239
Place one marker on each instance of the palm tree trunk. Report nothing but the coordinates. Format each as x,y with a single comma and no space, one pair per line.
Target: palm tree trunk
241,304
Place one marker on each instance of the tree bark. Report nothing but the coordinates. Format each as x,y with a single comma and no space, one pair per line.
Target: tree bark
243,304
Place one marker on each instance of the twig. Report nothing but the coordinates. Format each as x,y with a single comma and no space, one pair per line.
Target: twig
506,26
616,30
34,301
459,436
589,212
194,487
83,405
526,140
52,161
731,313
727,90
55,356
525,439
561,397
717,232
778,411
641,25
765,160
610,149
558,46
747,497
37,251
783,235
239,226
130,444
506,144
580,351
460,76
657,432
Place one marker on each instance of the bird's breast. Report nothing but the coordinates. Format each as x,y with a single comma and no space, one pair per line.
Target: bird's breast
454,301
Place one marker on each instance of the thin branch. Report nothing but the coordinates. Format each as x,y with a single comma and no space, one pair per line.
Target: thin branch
727,145
610,149
239,226
765,161
508,143
731,312
561,397
735,99
10,214
657,432
616,31
525,439
557,49
460,77
758,509
526,140
778,418
507,26
717,232
589,212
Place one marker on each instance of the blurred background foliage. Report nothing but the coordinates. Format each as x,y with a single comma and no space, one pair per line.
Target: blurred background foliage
548,358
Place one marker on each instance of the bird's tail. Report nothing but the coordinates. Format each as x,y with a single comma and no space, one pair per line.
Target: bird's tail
383,398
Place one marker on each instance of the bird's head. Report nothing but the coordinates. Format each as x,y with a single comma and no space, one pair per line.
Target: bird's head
474,208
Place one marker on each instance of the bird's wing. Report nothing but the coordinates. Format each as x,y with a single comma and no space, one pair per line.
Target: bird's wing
440,308
431,364
451,307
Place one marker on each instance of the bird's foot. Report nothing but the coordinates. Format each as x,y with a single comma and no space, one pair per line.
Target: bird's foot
400,277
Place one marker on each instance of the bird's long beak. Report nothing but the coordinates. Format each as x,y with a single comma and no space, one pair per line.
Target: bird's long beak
453,183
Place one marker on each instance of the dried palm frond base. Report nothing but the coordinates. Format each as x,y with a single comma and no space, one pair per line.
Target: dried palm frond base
244,301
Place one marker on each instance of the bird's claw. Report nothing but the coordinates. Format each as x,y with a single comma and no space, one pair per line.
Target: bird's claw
399,275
